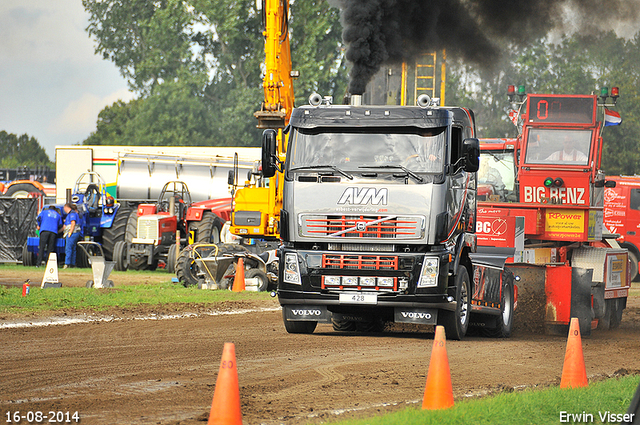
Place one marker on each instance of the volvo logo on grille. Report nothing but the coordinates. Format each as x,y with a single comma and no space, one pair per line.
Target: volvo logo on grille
361,226
365,195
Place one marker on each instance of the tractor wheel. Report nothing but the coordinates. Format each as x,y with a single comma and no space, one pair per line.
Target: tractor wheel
171,259
22,190
89,284
456,322
134,263
263,279
208,229
82,261
116,232
131,229
120,256
28,258
186,268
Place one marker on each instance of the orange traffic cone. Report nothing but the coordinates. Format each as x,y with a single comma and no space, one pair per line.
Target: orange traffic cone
238,280
225,407
574,372
438,393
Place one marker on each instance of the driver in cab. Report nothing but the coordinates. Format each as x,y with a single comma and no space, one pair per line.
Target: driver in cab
568,153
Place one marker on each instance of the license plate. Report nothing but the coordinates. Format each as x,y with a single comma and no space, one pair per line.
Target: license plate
358,298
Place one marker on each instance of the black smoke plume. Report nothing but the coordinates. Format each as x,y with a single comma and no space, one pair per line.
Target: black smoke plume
380,32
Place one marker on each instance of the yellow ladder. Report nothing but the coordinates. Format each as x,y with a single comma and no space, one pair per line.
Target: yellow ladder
425,77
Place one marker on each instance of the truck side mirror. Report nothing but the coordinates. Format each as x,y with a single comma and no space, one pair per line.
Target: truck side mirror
471,154
231,178
269,153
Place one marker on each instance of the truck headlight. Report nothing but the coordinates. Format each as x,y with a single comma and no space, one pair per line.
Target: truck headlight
429,272
291,269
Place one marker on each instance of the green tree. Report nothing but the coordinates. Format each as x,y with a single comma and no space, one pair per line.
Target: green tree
574,65
197,67
317,50
150,41
19,151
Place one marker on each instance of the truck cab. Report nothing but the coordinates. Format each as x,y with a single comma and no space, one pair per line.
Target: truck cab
378,216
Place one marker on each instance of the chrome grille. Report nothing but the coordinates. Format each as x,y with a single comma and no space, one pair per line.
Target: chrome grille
360,262
363,226
148,227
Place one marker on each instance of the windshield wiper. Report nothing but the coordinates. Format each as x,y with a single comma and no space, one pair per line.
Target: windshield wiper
398,166
312,167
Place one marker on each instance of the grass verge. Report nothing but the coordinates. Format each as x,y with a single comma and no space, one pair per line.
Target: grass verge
601,402
38,300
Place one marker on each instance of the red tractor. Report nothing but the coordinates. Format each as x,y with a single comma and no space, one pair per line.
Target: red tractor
156,232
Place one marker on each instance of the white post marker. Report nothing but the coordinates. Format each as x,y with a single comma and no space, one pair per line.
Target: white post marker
50,278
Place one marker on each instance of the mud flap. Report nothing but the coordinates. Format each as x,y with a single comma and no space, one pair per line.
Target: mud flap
581,281
416,315
307,313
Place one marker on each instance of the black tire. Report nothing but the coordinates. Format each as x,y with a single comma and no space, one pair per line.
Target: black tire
633,265
371,325
134,263
171,258
504,322
131,229
89,284
456,322
186,268
82,261
208,229
116,232
262,276
22,190
120,256
341,325
613,310
28,258
109,284
298,326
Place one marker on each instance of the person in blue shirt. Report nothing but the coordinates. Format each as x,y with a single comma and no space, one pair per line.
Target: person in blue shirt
49,222
72,232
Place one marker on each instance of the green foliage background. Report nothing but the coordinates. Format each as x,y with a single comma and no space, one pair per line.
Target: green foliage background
18,151
196,67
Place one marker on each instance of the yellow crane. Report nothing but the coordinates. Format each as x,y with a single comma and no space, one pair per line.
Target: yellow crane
256,205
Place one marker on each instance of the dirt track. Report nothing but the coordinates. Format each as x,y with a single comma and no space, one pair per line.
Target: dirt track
128,371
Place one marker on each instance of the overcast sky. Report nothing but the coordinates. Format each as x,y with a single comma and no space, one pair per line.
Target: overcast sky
52,85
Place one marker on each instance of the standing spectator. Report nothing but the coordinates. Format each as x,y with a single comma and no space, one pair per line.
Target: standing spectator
72,230
49,222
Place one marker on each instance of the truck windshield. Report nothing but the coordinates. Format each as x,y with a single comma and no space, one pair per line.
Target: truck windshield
496,176
558,146
416,149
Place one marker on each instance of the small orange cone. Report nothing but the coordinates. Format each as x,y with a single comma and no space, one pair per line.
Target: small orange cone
225,407
574,372
438,393
238,280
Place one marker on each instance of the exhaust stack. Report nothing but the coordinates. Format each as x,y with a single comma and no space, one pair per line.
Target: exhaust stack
356,100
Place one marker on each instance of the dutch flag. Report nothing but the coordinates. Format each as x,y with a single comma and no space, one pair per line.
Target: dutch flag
611,117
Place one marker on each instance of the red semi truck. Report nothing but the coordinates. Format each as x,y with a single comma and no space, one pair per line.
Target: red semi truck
622,216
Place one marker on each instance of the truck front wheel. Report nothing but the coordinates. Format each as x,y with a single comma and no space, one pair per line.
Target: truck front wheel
298,326
456,322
